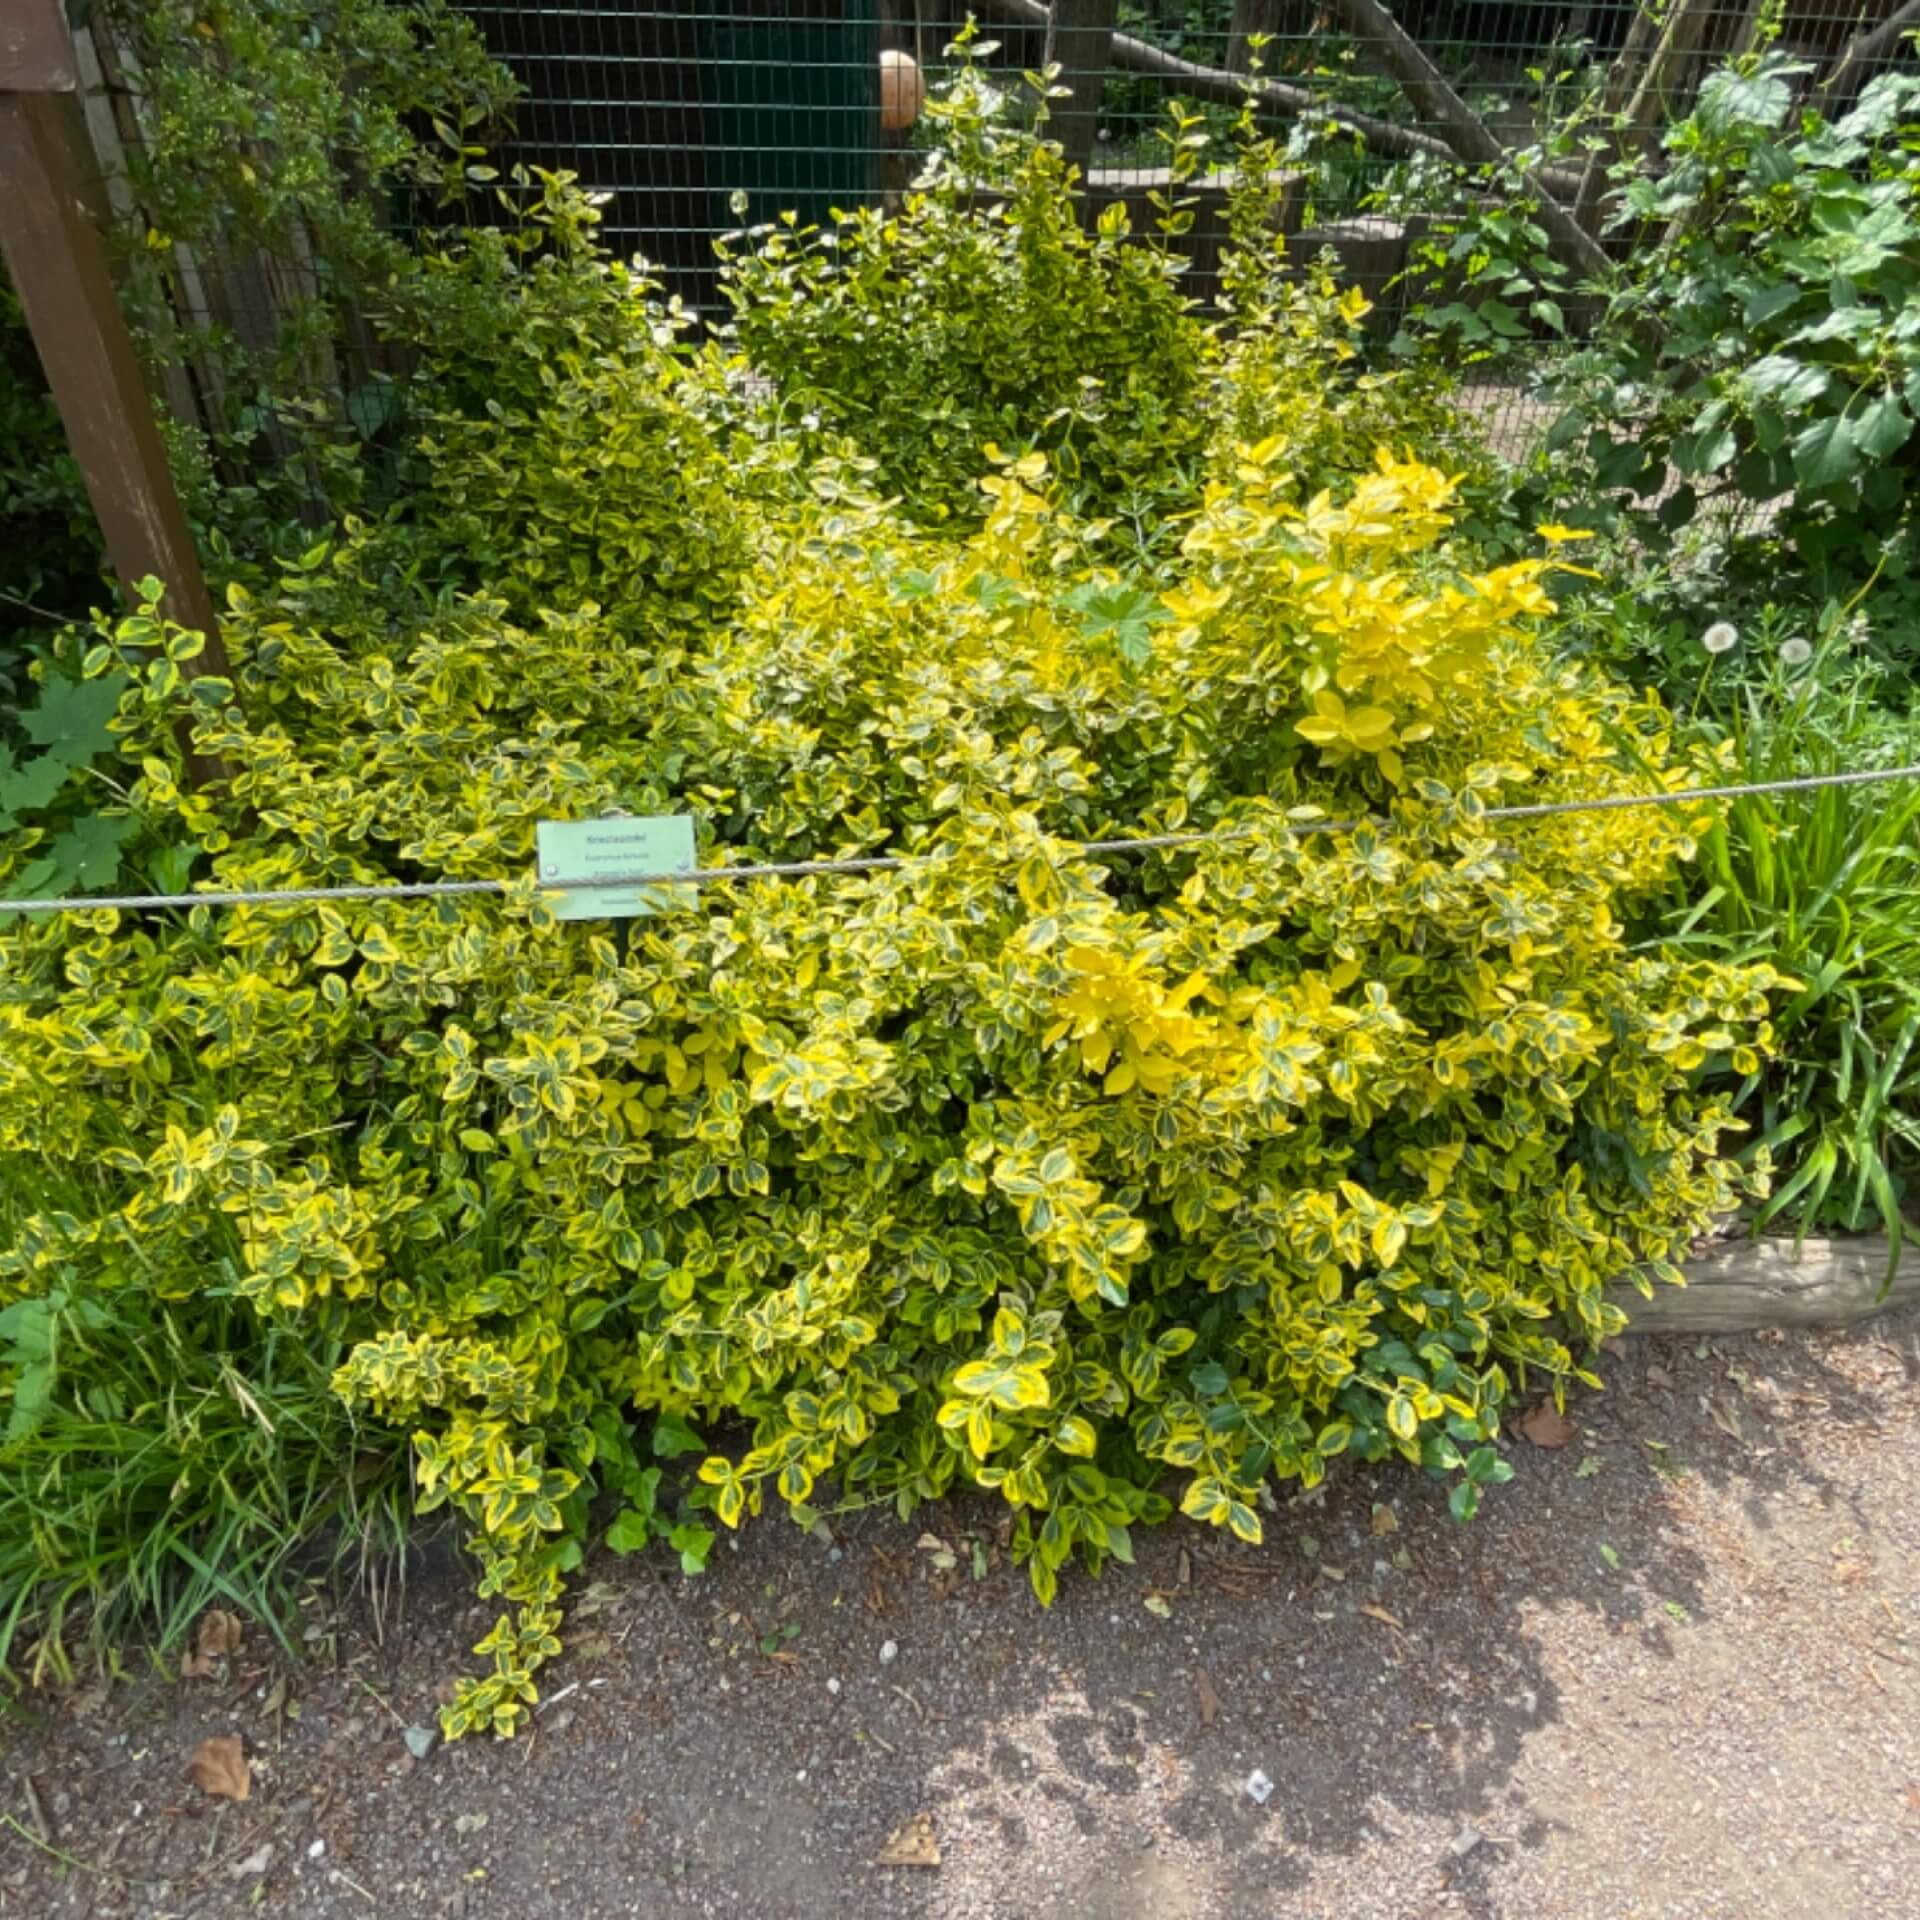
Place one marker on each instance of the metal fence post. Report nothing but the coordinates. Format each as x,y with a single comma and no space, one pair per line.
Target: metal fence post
51,222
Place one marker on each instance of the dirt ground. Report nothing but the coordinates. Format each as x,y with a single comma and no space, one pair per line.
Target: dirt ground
1672,1670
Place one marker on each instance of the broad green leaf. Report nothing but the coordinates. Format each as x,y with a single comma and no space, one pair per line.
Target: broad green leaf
1824,453
673,1436
1883,426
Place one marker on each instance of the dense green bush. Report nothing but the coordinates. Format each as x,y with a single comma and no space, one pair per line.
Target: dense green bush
1014,1168
319,135
1748,374
982,313
1096,1181
1764,345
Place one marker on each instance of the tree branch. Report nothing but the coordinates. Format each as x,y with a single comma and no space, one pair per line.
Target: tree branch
1875,44
1586,200
1431,96
1685,26
1230,89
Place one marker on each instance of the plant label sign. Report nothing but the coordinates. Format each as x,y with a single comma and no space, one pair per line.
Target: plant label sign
572,852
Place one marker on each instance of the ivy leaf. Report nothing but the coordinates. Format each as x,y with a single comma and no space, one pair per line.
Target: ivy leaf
630,1531
1730,98
693,1543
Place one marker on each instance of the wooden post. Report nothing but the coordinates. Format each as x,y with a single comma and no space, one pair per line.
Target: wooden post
51,221
1080,43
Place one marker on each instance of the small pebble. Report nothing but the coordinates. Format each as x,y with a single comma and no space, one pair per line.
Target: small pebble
889,1652
316,1850
1464,1842
1259,1787
833,1686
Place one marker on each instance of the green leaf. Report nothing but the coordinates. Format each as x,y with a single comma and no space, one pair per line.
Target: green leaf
89,850
693,1543
672,1437
630,1531
1731,98
1825,454
1791,384
1210,1380
1883,427
71,717
372,406
34,787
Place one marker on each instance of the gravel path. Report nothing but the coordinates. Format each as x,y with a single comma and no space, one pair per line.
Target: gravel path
1673,1670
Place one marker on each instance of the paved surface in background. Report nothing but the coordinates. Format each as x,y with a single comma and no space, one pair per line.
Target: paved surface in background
1673,1670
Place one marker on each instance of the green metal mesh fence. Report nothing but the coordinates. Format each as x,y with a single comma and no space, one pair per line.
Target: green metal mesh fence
675,108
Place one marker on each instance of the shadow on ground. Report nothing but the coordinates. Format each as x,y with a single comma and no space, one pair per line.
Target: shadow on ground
1620,1691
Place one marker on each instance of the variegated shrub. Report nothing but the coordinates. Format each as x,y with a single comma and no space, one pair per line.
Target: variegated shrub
1102,1181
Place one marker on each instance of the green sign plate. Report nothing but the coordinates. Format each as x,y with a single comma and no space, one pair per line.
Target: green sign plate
577,850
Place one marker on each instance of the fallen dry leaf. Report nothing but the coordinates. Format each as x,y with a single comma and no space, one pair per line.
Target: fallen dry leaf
1724,1417
216,1638
1546,1426
219,1633
219,1766
597,1599
1384,1617
253,1865
1209,1700
1385,1520
1156,1604
911,1844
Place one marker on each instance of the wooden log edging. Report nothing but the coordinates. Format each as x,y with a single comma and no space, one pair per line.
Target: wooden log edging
1741,1285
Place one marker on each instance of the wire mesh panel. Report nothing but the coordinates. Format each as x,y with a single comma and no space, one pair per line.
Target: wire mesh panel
673,107
687,112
